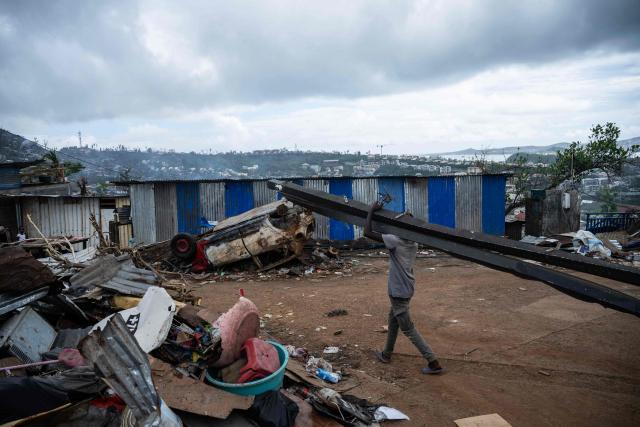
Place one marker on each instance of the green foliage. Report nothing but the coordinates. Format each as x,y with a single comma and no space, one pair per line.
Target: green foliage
600,153
607,199
69,168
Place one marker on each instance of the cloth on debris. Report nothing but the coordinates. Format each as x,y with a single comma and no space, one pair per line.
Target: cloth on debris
236,326
25,396
402,257
587,242
273,409
150,320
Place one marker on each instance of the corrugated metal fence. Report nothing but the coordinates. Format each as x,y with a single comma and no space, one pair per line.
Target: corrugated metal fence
472,202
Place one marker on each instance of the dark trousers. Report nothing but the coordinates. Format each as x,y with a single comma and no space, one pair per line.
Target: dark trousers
399,318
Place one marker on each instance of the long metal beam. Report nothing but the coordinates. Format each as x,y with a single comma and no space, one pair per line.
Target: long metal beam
416,230
486,241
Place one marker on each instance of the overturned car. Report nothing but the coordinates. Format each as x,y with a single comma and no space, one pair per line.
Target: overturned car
269,235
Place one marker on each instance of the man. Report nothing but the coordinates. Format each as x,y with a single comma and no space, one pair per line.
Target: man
401,283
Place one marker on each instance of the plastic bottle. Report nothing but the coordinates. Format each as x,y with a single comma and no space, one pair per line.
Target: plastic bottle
332,377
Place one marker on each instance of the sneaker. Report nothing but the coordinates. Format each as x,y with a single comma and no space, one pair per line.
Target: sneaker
382,358
434,368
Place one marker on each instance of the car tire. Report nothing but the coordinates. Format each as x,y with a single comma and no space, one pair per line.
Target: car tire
183,246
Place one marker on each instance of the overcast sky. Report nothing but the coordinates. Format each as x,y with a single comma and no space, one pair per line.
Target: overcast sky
415,76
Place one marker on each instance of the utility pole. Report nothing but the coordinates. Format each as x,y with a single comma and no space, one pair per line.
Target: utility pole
80,138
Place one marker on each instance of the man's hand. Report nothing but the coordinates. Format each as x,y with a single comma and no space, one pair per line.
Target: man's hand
368,231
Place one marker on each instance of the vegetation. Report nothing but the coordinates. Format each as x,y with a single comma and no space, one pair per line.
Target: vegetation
602,152
63,168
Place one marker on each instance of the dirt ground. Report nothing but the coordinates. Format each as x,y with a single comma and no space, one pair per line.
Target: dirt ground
510,346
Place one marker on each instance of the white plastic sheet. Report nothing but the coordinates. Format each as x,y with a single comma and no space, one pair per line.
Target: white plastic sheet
385,413
150,320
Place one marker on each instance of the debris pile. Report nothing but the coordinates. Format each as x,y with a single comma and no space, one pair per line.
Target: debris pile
105,341
620,247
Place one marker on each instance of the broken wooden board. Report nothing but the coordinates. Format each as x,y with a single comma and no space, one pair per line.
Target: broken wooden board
188,394
490,420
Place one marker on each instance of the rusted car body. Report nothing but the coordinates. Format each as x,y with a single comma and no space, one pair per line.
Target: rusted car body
279,228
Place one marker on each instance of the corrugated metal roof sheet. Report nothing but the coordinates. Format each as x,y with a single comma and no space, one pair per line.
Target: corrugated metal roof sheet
415,194
394,187
322,222
166,211
238,197
143,213
493,204
340,230
212,201
442,201
115,273
469,202
61,217
187,207
262,194
365,191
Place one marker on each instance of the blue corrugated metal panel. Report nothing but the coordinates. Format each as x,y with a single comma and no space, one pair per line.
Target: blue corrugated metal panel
295,181
188,207
442,201
339,230
395,188
493,200
238,197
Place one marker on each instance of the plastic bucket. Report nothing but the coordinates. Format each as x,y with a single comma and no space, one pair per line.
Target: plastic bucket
271,382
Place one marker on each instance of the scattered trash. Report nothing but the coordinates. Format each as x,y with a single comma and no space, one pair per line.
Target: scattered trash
337,312
545,373
338,332
522,288
331,350
385,413
332,377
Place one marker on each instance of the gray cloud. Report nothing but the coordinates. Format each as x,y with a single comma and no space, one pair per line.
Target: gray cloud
75,61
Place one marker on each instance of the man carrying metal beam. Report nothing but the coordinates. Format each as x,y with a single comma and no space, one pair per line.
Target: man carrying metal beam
401,283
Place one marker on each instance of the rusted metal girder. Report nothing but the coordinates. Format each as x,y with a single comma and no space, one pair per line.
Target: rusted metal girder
480,240
450,241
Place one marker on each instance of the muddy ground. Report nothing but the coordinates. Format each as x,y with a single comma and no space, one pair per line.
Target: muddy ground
513,346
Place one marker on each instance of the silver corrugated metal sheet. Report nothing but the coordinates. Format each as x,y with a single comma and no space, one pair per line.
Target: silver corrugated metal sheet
322,222
262,195
212,201
365,190
115,273
415,196
61,216
469,202
166,211
143,210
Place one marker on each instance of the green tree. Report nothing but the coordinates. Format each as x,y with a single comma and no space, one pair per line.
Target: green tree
602,152
62,168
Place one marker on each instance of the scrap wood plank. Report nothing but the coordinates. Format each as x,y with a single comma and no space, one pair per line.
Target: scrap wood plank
188,394
489,420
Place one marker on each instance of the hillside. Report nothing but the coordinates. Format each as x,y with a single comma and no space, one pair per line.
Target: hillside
15,148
